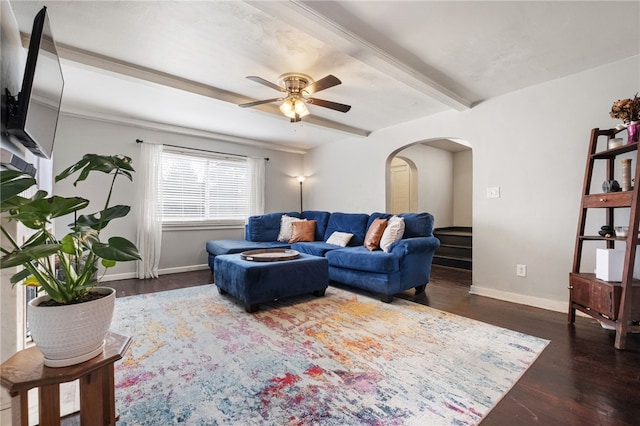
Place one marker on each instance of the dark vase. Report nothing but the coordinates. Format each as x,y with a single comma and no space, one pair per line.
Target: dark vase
633,131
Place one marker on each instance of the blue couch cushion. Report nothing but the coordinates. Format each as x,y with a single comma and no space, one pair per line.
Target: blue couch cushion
417,224
316,248
361,259
265,227
321,218
353,223
218,247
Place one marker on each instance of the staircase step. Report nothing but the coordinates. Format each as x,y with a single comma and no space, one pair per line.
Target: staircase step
453,262
454,251
455,247
454,235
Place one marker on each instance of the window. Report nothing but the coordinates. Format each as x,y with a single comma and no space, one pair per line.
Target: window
204,188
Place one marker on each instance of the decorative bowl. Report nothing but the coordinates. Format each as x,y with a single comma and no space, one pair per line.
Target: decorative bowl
622,231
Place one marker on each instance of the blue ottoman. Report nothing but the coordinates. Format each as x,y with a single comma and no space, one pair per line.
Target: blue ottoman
258,282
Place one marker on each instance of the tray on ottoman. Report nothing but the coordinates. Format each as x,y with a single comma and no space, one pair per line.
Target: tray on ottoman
269,255
254,282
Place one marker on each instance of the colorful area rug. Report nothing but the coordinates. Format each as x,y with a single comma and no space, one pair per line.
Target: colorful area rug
198,358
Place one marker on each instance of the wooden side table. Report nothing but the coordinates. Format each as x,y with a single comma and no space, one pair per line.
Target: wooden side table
25,370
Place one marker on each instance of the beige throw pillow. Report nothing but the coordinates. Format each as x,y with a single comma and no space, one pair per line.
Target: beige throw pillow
285,227
303,231
374,233
392,233
339,238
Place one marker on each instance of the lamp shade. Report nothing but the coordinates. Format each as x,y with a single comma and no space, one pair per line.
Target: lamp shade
300,108
294,106
287,108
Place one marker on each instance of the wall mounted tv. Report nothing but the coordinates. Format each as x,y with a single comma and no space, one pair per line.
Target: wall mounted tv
33,113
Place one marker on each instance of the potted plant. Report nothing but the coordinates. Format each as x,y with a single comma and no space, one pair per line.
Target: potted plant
628,110
66,268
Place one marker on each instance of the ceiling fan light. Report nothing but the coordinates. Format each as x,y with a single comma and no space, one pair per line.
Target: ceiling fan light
300,108
287,108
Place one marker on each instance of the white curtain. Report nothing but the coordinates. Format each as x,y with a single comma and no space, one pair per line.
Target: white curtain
257,179
149,217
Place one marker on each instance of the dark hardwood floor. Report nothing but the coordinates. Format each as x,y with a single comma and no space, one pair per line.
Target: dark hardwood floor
579,379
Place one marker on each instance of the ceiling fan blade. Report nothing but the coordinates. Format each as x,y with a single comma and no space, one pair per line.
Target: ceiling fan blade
322,84
266,101
266,83
329,104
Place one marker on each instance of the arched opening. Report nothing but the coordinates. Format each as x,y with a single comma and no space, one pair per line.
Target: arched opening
436,176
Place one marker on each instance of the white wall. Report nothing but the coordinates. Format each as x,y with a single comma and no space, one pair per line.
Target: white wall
181,250
532,143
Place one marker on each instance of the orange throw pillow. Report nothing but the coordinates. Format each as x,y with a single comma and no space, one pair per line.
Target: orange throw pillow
374,233
303,231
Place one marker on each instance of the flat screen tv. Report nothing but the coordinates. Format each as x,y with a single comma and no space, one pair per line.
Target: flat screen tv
33,114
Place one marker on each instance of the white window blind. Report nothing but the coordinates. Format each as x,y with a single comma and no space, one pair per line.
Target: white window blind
199,188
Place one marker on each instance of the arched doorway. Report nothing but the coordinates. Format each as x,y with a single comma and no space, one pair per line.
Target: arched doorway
436,177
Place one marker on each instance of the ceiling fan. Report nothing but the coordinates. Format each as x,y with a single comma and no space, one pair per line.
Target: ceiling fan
296,89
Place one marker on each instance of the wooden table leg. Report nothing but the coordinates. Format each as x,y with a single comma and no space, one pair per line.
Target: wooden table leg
97,397
20,408
110,395
49,402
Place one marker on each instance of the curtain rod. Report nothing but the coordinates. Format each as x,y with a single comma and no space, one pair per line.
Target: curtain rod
204,150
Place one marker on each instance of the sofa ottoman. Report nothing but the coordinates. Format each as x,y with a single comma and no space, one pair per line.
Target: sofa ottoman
258,282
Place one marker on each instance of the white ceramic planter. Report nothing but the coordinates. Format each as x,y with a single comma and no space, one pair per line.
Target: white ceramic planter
71,334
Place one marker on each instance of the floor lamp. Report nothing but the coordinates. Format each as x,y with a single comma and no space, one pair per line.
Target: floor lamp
301,179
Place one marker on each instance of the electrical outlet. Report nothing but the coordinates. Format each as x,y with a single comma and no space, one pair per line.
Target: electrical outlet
521,270
493,192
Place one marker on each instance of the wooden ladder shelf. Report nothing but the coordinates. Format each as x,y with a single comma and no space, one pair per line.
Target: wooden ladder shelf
616,304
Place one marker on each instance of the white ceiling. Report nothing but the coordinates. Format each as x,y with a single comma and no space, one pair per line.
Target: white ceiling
184,63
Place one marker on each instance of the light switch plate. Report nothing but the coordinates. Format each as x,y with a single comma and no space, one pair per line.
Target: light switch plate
493,192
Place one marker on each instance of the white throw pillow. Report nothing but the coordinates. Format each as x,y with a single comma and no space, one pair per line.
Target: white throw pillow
285,227
339,239
392,233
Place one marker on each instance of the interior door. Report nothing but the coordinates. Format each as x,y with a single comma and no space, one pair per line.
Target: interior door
401,186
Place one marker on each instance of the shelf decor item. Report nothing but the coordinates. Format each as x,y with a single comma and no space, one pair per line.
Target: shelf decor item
633,132
66,268
611,186
615,143
626,174
628,110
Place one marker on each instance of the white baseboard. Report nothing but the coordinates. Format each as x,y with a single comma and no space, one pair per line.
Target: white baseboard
166,271
537,302
182,269
116,277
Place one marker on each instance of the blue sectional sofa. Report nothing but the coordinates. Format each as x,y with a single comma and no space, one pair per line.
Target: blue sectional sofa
407,264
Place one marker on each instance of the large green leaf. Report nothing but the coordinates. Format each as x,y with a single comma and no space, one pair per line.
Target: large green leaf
101,163
57,206
20,257
118,249
100,219
37,212
14,203
13,182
